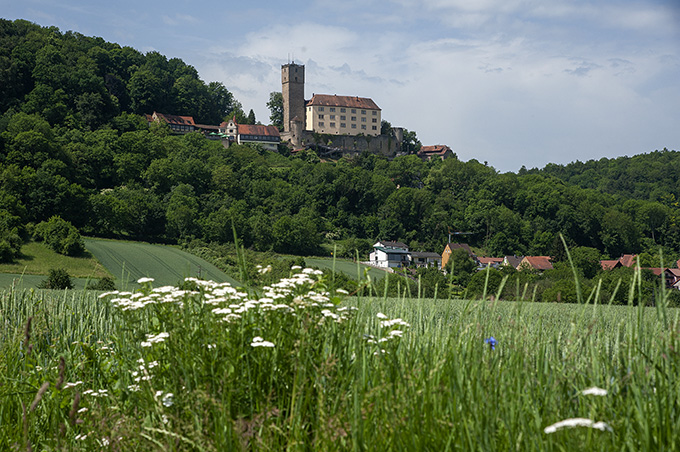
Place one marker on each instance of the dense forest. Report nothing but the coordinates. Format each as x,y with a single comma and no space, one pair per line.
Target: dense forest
73,144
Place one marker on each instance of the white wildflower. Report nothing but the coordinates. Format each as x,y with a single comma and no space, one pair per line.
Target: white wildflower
594,391
82,410
380,315
342,291
145,280
259,342
578,422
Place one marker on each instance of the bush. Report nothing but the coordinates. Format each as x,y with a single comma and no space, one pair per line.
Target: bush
60,235
57,279
105,283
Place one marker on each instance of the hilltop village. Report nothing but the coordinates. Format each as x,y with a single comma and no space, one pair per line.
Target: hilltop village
331,125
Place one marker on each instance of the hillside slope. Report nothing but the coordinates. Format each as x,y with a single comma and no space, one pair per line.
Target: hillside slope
129,261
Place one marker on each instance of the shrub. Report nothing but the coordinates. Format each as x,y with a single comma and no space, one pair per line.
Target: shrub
105,283
57,279
60,235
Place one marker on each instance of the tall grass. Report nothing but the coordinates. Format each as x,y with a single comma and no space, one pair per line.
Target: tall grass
336,376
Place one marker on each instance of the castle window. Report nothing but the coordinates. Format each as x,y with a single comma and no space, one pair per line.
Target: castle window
363,112
342,118
354,110
320,116
332,125
343,125
374,127
332,116
353,118
363,119
342,110
320,108
354,126
332,108
375,113
321,124
363,126
375,120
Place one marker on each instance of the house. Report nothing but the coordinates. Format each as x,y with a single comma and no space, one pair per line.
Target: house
426,259
178,124
266,136
670,276
448,249
539,263
388,254
610,264
493,262
433,152
628,260
342,115
512,261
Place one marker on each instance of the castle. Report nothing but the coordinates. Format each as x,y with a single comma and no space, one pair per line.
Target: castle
344,124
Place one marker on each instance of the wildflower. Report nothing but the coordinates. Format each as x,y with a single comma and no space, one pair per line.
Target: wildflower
381,316
342,291
577,422
391,323
491,341
259,342
154,339
145,280
594,391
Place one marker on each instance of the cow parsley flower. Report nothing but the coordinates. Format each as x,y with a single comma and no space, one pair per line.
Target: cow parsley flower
259,342
145,280
578,422
595,391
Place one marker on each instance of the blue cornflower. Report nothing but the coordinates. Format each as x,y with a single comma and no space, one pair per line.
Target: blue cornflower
491,341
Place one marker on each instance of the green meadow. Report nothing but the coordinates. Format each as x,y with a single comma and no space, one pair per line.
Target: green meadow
295,366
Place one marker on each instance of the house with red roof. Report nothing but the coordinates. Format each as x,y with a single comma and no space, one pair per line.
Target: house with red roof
610,264
267,136
448,249
342,115
493,262
177,123
438,151
539,263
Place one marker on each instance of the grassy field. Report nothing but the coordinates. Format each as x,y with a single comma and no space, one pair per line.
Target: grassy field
38,259
129,261
293,368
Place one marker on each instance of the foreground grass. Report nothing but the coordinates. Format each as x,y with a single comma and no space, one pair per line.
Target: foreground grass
38,259
334,377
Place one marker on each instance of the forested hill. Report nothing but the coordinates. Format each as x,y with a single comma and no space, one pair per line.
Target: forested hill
654,176
83,82
72,144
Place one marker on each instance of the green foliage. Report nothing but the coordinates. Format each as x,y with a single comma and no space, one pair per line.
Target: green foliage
461,265
58,279
60,235
106,283
275,106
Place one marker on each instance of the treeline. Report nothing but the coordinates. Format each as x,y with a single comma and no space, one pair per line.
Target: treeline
102,168
81,82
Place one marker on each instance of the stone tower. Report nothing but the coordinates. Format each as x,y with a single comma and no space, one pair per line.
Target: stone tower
293,91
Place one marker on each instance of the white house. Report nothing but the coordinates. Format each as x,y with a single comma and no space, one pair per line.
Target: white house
426,259
390,254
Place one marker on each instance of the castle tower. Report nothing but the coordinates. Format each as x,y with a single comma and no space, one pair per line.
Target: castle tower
293,91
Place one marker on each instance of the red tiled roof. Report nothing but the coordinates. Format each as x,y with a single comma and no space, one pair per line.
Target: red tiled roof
270,131
326,100
207,127
490,260
538,262
437,149
175,119
610,264
627,260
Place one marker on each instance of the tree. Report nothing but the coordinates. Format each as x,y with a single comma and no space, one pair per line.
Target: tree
251,117
57,279
411,144
61,236
461,265
275,106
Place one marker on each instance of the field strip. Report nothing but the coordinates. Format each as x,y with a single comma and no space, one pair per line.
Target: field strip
129,261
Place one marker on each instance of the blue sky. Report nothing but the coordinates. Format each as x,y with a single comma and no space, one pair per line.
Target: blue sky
510,82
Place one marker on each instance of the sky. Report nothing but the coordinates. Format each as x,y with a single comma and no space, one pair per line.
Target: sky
509,82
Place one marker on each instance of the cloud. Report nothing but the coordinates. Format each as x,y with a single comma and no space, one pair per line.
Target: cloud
179,19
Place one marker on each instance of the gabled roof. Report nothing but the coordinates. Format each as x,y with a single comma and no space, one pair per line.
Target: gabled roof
537,262
436,150
627,260
490,260
269,131
464,246
512,260
610,264
326,100
388,244
175,119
